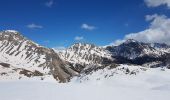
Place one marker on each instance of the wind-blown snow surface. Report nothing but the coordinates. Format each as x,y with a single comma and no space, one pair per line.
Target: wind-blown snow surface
152,84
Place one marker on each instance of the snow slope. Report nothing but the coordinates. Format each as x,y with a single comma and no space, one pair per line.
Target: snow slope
20,52
85,54
152,84
16,74
27,57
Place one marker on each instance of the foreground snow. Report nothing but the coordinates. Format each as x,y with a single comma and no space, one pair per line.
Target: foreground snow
153,84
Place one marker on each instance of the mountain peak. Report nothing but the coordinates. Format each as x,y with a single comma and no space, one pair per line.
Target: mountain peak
11,31
14,31
83,44
130,41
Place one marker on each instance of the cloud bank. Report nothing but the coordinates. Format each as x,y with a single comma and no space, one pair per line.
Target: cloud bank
156,3
158,31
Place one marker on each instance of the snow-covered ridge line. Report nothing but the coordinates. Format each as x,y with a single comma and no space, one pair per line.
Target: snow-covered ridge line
20,52
83,53
11,31
130,51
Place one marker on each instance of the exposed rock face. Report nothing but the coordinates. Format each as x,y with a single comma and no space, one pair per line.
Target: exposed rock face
60,69
20,52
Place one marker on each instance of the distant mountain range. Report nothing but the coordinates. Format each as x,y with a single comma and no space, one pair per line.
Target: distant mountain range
21,57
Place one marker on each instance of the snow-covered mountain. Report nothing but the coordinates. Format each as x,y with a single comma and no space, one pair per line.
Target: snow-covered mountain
161,47
19,52
135,52
21,57
85,54
131,51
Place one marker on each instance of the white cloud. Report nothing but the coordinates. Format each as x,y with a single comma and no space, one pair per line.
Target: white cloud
34,26
87,27
78,38
151,17
158,31
117,42
49,3
156,3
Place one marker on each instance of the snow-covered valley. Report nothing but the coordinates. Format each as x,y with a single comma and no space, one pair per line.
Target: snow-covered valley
152,84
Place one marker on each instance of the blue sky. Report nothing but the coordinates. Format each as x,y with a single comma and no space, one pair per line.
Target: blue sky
60,23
